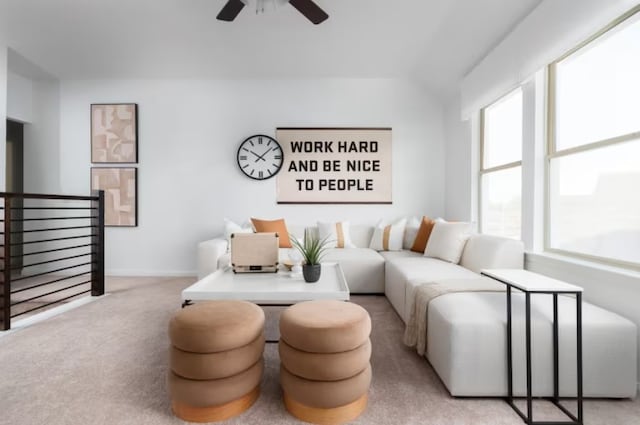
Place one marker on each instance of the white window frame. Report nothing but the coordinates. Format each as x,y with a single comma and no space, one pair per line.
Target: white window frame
553,153
484,171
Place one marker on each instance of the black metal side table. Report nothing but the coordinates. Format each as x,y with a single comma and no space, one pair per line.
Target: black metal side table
532,283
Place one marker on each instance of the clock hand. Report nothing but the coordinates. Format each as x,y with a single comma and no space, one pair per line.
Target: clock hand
262,156
259,157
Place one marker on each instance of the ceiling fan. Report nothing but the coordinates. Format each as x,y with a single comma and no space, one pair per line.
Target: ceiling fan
308,8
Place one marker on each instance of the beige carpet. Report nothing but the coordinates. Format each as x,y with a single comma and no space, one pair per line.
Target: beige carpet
106,362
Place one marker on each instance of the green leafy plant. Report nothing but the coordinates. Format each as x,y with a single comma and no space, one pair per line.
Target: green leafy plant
312,249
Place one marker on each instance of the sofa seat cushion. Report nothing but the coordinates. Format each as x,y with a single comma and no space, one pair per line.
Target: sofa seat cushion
363,268
466,345
392,255
404,274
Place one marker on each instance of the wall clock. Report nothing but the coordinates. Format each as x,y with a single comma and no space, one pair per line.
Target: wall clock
260,157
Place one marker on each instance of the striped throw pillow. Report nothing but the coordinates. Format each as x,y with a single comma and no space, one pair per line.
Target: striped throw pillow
337,234
388,237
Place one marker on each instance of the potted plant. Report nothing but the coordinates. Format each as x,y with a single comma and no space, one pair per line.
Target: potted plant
312,250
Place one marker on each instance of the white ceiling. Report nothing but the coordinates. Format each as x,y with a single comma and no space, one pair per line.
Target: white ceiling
435,41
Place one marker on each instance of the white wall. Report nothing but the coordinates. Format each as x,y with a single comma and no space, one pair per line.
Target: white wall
459,179
33,98
190,130
19,97
42,139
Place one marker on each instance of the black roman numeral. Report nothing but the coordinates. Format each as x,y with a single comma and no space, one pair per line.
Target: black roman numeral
277,157
260,174
243,157
259,140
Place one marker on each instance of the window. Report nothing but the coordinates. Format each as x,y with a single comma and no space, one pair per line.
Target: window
594,148
501,167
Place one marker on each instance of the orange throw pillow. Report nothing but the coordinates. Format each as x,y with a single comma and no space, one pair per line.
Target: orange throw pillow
273,226
420,243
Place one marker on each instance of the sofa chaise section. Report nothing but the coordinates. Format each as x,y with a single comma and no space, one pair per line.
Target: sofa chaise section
466,345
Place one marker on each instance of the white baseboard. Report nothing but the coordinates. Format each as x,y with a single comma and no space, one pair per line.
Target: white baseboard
151,273
47,314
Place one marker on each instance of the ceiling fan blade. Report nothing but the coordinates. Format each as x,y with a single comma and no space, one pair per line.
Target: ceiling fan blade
310,10
230,10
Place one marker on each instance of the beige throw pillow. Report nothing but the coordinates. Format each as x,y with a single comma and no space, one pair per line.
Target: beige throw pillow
447,240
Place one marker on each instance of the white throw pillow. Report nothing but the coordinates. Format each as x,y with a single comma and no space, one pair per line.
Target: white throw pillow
447,240
410,232
337,234
230,227
388,237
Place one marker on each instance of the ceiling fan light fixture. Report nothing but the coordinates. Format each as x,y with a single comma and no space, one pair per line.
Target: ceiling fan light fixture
308,8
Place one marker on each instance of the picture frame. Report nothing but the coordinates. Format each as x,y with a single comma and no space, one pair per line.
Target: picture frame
335,165
114,133
120,185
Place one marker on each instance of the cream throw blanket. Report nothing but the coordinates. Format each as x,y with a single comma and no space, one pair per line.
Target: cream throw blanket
415,334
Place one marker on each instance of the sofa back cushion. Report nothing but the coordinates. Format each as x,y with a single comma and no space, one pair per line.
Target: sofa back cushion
492,252
360,234
296,230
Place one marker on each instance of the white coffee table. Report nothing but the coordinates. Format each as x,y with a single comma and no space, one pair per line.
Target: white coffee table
268,288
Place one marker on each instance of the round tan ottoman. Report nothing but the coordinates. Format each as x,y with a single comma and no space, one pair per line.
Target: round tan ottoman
325,366
324,353
215,359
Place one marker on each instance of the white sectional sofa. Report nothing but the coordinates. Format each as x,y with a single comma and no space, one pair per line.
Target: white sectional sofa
466,335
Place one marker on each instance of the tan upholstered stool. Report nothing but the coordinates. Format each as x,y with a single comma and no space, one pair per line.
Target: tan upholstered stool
324,352
325,366
215,359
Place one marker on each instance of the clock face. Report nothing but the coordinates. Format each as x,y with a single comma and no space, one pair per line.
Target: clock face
260,157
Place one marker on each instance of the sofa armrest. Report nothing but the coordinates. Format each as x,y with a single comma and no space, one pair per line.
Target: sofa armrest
208,254
492,252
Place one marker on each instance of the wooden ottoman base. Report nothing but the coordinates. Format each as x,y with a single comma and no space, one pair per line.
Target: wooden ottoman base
215,413
333,416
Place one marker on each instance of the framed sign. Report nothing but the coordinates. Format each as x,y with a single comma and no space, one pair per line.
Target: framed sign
335,166
114,133
120,187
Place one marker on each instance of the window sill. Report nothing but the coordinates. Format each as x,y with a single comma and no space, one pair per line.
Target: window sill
547,258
